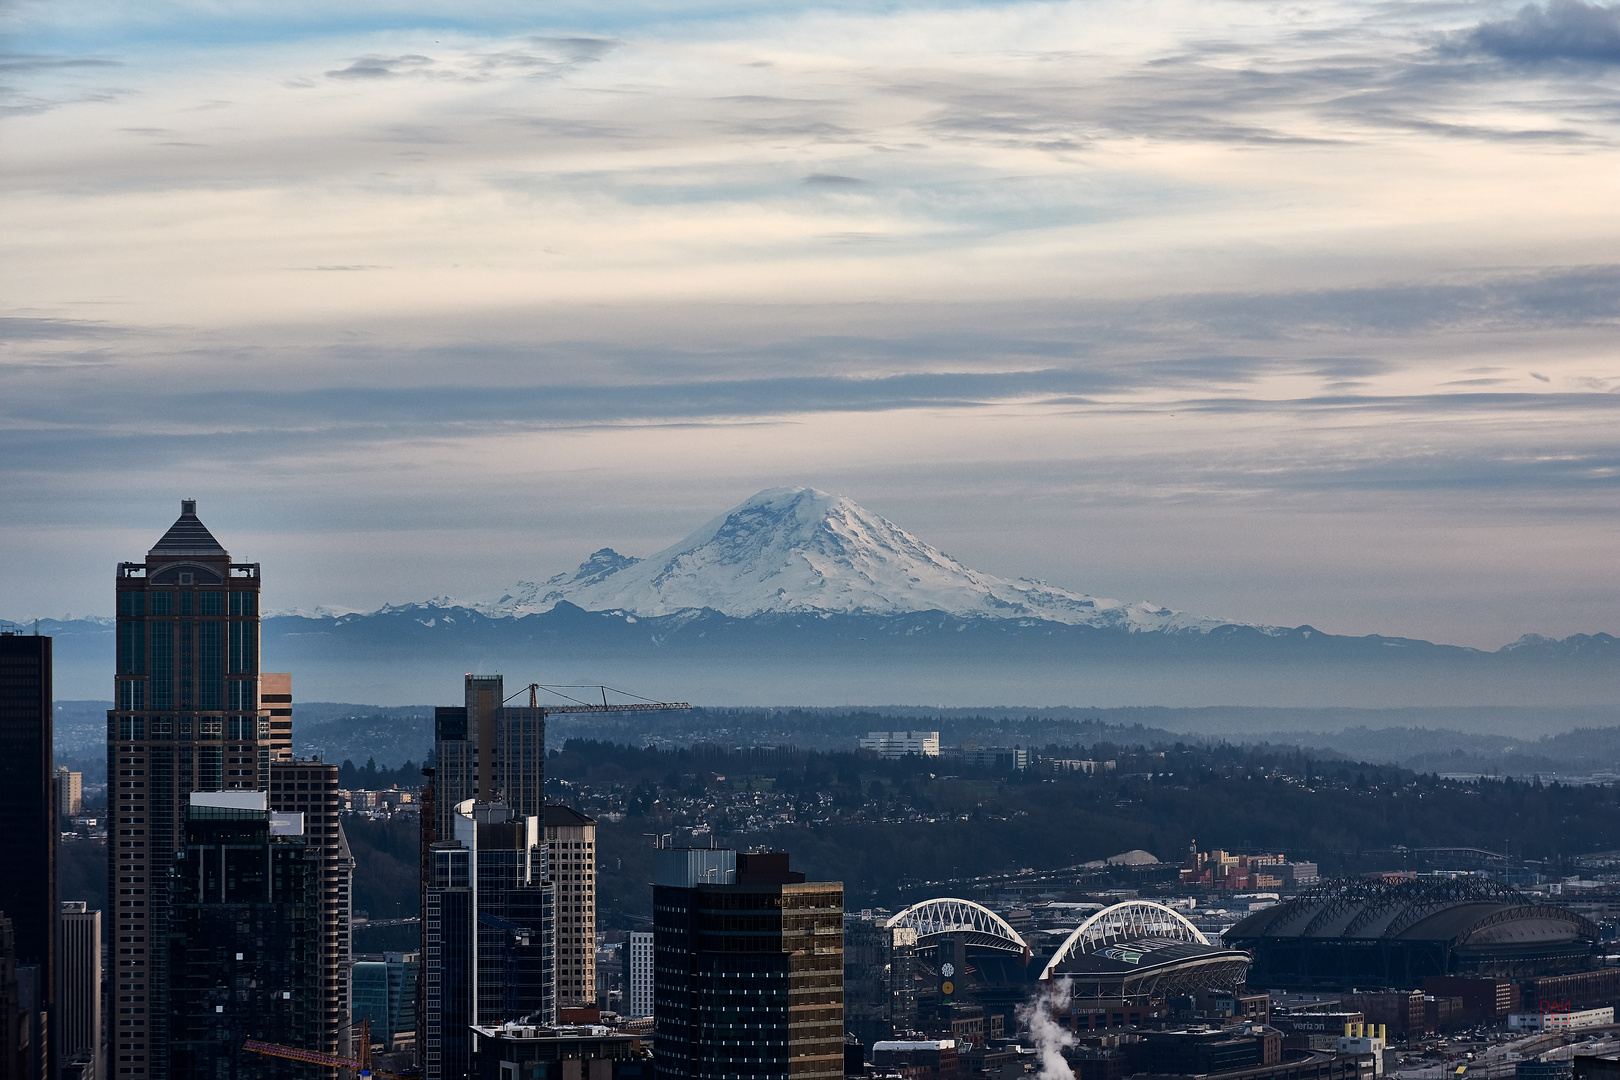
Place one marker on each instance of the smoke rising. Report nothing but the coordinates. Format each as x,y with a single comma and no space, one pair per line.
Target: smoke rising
1050,1037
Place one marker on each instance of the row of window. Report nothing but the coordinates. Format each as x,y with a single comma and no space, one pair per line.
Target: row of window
137,604
207,727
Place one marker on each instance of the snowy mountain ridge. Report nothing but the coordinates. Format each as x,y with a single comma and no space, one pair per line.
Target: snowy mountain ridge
797,550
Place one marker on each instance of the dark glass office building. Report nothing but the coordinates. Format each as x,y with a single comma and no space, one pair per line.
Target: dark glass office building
748,968
28,810
186,718
244,943
490,933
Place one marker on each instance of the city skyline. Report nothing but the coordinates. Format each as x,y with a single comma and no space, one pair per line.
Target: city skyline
1297,316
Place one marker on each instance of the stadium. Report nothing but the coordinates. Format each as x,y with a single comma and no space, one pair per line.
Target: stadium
1366,933
1126,959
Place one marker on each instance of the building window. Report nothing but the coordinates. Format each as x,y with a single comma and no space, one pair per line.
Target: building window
240,692
131,648
162,603
213,602
131,697
244,603
131,727
210,664
131,603
162,665
244,659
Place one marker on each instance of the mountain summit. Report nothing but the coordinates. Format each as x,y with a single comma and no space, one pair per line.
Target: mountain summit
803,551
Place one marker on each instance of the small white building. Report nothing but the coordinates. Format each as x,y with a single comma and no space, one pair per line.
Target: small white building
638,968
1567,1020
899,744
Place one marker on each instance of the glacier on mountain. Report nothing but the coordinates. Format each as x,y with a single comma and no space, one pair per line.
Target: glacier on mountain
797,550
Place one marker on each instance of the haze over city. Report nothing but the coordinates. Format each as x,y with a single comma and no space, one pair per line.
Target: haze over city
1285,314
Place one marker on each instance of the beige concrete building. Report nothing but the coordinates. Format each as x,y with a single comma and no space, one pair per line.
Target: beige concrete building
571,851
275,699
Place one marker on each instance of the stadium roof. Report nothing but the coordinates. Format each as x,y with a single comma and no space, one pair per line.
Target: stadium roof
1464,910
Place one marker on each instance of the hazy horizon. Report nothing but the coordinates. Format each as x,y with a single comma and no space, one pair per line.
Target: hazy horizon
1282,315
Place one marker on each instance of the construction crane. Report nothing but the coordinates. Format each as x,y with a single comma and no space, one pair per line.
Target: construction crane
579,705
361,1065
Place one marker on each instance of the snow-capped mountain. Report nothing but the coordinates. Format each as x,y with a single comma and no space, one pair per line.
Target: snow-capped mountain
803,551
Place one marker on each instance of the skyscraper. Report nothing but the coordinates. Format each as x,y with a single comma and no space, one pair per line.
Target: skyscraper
310,788
28,809
488,752
489,933
244,940
185,718
571,850
748,968
638,974
78,990
69,791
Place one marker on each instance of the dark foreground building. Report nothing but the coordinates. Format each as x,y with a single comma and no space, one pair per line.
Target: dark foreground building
748,968
244,948
28,838
587,1051
1361,932
185,718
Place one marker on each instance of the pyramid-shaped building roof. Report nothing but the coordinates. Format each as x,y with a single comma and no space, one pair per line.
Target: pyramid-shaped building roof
188,536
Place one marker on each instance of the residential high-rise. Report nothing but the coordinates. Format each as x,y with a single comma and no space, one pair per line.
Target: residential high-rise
385,994
28,810
78,990
638,974
275,699
489,933
185,718
70,792
487,752
879,970
311,788
748,969
571,847
244,957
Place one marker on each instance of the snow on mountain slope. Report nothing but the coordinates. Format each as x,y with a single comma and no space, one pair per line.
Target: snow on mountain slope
799,550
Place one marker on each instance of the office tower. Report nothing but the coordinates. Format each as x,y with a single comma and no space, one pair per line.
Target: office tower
275,700
310,788
385,994
488,753
70,793
880,964
748,972
489,933
28,808
571,851
78,991
16,1020
185,718
638,974
244,958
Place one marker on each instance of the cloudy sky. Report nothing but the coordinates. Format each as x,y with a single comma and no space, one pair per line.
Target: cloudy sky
1275,311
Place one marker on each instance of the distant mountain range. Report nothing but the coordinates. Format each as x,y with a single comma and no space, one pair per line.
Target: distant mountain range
803,597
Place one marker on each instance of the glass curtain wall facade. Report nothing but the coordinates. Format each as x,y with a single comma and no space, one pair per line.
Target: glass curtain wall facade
748,968
186,718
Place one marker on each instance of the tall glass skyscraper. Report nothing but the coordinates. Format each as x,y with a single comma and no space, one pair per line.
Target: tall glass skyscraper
186,718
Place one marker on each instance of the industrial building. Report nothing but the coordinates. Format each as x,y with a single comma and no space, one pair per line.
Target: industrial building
1370,933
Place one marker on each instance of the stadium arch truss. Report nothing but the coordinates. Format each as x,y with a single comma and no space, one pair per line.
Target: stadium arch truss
949,915
1131,920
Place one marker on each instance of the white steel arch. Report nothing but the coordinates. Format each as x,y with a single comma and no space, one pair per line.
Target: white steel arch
1132,919
949,915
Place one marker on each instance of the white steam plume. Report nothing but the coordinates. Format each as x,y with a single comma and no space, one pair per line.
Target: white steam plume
1040,1020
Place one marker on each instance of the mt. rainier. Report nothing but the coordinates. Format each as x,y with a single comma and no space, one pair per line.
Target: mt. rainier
803,551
